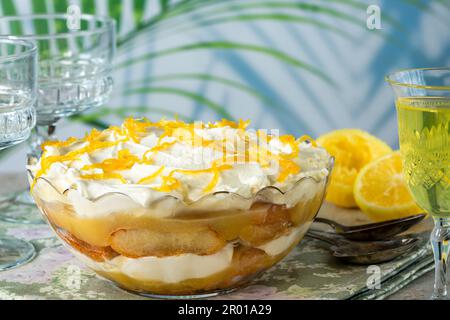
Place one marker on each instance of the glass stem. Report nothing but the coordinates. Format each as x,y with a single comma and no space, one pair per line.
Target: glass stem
39,135
440,242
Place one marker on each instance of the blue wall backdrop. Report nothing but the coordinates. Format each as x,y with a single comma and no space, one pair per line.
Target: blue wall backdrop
304,67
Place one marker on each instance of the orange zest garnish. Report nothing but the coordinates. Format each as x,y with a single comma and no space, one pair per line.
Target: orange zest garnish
216,172
133,129
244,149
46,162
168,184
124,161
158,147
287,167
58,144
103,176
152,176
242,125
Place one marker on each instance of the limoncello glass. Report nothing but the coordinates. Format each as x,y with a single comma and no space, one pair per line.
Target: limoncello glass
423,111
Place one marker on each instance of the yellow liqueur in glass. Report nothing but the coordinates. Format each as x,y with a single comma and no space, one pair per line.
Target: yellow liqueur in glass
423,112
424,133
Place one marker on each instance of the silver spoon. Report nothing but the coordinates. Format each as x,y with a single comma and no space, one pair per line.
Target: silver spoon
370,252
373,231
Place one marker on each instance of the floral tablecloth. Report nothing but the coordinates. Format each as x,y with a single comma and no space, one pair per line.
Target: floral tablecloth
309,272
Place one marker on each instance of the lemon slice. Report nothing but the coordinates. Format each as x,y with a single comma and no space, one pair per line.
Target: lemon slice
352,149
381,192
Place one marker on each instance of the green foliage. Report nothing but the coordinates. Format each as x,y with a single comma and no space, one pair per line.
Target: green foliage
176,17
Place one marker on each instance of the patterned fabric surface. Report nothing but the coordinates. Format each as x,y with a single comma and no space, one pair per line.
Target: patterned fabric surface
309,272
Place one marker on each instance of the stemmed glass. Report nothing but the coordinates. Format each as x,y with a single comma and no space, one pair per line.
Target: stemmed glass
18,61
74,75
423,110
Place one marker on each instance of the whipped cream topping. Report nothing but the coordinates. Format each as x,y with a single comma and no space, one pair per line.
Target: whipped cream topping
147,161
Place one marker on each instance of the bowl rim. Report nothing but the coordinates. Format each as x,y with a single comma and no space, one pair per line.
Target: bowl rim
257,195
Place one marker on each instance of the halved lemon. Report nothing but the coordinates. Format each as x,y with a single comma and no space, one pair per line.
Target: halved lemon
352,149
381,192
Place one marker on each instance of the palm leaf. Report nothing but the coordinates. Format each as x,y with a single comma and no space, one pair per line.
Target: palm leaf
138,11
185,8
123,112
61,5
224,45
277,17
270,103
165,5
87,7
115,11
9,9
219,109
141,25
318,9
334,13
40,26
206,77
298,6
192,6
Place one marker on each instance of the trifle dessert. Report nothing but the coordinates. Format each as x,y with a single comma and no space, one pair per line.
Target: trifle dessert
170,208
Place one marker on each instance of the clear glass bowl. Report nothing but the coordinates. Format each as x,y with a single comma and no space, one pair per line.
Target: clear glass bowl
175,249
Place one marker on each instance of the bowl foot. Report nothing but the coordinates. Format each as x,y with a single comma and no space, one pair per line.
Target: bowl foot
178,297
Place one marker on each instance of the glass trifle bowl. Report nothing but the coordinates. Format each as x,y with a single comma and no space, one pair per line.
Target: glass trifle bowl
174,209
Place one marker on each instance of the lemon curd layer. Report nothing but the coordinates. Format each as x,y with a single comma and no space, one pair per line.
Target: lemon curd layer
146,161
